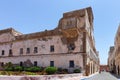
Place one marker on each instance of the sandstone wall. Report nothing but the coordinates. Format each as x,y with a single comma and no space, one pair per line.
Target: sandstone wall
60,60
43,45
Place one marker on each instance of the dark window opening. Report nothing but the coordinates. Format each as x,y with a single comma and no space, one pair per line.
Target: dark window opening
21,50
10,52
52,48
52,63
28,50
21,63
3,52
71,64
35,63
71,46
2,64
35,50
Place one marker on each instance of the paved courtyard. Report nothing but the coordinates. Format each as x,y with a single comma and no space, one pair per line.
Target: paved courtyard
102,76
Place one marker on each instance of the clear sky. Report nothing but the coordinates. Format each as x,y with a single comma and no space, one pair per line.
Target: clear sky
29,16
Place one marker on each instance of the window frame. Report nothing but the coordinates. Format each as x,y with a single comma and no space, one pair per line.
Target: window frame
35,63
52,48
2,64
52,63
28,50
71,64
21,63
3,52
21,51
10,52
35,49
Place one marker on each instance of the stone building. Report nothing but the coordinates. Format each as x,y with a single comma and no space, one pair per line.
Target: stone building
111,59
114,56
71,45
104,68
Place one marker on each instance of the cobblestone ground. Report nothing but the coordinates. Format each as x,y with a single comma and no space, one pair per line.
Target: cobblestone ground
102,76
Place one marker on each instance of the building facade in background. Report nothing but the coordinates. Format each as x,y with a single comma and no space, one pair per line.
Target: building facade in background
111,60
114,55
69,46
104,68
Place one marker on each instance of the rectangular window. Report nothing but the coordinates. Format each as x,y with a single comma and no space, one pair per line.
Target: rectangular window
35,63
2,64
71,64
28,50
10,52
52,63
21,63
21,50
71,46
52,48
3,52
35,50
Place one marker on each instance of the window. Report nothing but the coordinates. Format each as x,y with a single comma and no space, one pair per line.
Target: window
3,52
28,50
52,48
52,63
35,50
21,50
71,46
2,64
10,52
21,63
35,63
71,64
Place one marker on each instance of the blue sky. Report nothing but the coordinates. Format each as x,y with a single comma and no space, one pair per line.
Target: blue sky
29,16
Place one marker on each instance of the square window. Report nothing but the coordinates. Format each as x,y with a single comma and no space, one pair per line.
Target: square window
71,46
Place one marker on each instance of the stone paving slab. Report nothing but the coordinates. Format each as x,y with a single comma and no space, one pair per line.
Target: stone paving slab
102,76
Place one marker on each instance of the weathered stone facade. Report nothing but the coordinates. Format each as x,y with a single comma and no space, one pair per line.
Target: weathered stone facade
114,56
111,59
71,45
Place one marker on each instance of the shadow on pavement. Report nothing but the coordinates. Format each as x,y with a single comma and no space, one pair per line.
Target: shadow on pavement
117,76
